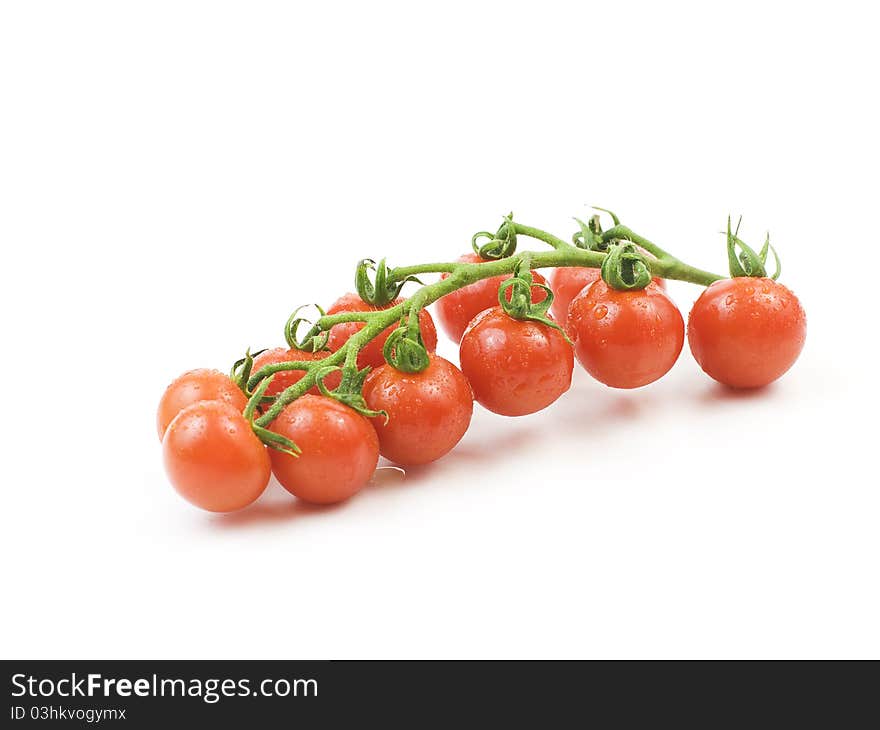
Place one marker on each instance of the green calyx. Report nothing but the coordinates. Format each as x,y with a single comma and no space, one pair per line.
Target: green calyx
269,438
590,236
521,305
315,339
404,352
350,390
625,268
405,349
241,370
499,245
384,289
276,441
749,262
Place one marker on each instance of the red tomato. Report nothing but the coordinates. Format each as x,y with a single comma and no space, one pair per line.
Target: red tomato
213,458
340,450
428,412
195,386
515,367
286,378
746,332
372,353
569,281
625,339
456,310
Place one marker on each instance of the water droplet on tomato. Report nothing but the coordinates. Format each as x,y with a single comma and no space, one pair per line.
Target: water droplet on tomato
729,300
600,311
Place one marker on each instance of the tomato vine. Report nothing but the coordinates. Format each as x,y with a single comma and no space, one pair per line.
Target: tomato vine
563,254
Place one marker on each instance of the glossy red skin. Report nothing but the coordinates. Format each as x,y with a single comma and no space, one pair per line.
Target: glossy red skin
284,379
746,332
625,339
569,281
428,412
340,450
214,459
515,367
371,354
195,386
456,310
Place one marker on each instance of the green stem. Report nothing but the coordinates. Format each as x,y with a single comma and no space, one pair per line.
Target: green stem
402,272
267,370
627,234
328,320
666,266
672,268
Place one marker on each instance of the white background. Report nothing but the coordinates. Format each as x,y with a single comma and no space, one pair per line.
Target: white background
176,177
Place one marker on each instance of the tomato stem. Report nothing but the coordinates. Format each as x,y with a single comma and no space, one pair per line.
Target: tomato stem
499,245
519,305
625,267
665,265
749,262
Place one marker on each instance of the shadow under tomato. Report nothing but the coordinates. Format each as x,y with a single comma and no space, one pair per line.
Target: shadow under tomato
278,505
275,505
575,414
486,447
584,411
719,393
492,436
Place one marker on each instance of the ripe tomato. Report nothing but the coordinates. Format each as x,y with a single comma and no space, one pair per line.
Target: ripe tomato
372,353
456,310
428,412
746,332
340,450
214,459
195,386
284,379
515,367
569,281
625,339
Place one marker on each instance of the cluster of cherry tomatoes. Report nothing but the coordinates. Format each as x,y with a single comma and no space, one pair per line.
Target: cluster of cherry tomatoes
744,332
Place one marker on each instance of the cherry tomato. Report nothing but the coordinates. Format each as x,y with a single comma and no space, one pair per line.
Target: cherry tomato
456,310
569,281
372,353
195,386
746,332
286,378
340,450
213,458
625,339
515,367
428,412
